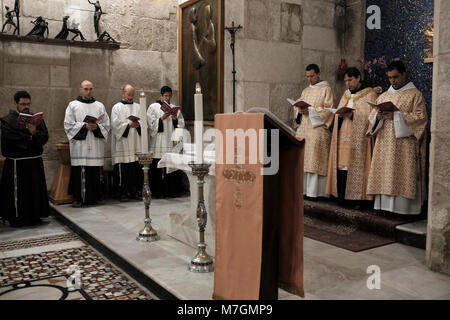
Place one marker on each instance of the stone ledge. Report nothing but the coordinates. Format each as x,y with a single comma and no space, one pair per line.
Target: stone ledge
85,44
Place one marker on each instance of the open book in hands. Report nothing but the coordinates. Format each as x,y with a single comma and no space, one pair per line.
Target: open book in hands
340,111
92,119
34,119
166,108
387,106
299,104
133,118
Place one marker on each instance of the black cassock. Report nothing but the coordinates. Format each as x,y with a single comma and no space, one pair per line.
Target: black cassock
23,190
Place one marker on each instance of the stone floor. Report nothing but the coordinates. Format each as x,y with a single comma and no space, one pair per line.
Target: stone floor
329,272
43,262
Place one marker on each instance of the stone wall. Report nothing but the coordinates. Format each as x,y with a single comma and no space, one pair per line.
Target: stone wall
147,31
278,40
438,233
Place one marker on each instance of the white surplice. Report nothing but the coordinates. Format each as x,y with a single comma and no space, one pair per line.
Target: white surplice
91,151
124,149
161,142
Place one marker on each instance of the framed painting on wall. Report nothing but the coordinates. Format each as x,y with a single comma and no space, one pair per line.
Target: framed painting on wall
200,56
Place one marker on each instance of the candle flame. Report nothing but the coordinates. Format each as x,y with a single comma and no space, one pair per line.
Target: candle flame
198,88
142,94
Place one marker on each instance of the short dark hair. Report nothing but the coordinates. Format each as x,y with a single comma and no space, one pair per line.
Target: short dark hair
352,72
314,67
21,94
166,89
397,65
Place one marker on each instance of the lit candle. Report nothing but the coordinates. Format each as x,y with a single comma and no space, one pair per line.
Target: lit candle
143,116
198,125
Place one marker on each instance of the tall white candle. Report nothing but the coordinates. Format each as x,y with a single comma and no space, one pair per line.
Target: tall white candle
198,124
143,116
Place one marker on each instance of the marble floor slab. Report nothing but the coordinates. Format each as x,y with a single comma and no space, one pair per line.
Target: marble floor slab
329,272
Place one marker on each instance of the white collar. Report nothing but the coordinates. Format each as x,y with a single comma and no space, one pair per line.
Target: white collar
319,84
408,86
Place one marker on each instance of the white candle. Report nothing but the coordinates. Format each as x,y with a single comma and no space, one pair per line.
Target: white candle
143,116
198,124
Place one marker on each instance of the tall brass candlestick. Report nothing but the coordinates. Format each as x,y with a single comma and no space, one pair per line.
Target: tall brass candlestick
147,234
202,262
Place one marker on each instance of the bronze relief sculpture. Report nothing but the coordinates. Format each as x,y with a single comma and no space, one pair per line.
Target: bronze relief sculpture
201,56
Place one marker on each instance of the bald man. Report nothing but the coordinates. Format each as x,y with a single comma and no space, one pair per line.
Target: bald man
87,137
125,143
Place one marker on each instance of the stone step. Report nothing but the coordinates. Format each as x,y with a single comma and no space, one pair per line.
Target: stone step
413,234
409,230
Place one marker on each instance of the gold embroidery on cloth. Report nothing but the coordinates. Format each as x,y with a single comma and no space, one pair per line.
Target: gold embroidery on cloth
239,176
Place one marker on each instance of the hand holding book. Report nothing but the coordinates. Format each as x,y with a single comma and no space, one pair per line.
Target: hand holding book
302,105
133,118
341,111
92,119
166,108
387,106
26,118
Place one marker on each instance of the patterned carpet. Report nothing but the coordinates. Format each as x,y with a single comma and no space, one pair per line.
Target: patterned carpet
25,276
350,229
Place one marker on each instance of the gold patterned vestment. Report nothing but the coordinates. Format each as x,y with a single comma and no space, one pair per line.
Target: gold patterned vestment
357,144
399,163
317,140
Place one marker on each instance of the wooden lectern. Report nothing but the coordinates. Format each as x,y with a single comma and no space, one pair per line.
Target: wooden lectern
259,217
58,193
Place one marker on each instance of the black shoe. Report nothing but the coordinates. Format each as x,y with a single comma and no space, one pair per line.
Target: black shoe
76,204
16,224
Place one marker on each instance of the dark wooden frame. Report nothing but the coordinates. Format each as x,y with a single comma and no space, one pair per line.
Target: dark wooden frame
219,30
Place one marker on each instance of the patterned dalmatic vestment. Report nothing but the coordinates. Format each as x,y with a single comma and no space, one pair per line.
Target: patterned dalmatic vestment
317,140
399,163
359,146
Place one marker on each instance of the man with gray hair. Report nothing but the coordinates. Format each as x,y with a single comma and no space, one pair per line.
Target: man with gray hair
125,143
87,126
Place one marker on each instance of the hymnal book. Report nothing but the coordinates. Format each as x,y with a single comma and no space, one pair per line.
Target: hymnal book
166,108
134,118
299,104
384,106
341,111
92,119
34,119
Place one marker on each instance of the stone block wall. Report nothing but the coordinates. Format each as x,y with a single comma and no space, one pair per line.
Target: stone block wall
438,233
147,31
278,40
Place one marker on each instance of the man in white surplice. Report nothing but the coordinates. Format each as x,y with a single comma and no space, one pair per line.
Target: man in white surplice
125,143
87,137
162,126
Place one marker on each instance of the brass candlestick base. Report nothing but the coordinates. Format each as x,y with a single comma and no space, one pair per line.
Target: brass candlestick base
148,234
202,262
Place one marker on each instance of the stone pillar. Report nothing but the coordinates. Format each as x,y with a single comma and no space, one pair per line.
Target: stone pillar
438,233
